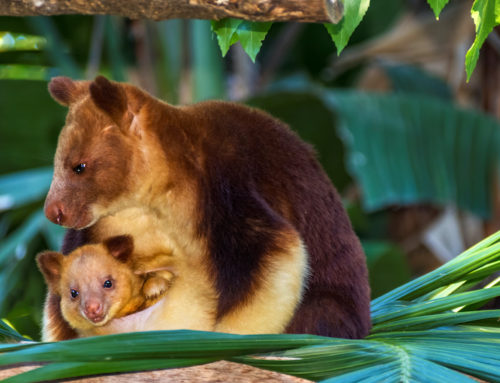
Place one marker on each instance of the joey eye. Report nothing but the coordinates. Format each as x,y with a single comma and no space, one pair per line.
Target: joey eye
74,293
78,169
107,284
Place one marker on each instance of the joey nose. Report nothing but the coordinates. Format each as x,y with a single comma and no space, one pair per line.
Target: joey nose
93,310
54,212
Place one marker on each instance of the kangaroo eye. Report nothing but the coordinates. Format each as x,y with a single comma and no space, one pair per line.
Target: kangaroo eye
107,284
78,169
74,293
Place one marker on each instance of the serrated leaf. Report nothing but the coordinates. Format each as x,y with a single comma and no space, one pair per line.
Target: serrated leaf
225,30
486,14
437,6
354,11
251,35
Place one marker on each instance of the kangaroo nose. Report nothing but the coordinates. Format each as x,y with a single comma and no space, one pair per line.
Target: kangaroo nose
54,212
93,310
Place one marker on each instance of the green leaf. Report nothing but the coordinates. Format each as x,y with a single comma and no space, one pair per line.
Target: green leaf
417,149
437,305
387,266
54,234
55,47
113,36
170,58
18,240
354,11
251,35
207,65
20,42
423,322
7,331
486,15
225,30
485,252
411,79
24,72
437,6
23,187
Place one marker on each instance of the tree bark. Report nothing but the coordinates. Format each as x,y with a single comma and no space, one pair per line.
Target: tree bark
254,10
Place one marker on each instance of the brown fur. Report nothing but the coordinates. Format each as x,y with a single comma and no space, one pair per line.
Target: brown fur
230,192
85,270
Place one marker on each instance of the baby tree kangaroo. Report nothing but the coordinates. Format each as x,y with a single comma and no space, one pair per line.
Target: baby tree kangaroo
100,282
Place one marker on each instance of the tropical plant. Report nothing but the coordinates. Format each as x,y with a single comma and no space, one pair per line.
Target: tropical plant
421,329
410,146
429,329
485,13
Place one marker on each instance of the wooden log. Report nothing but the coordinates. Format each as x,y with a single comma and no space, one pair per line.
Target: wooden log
209,373
254,10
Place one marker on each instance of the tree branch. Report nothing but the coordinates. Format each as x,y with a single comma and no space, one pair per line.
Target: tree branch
254,10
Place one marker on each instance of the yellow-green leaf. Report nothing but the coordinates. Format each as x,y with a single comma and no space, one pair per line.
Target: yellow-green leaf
354,11
225,30
486,15
437,6
20,42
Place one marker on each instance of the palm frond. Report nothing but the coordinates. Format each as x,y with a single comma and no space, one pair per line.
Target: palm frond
416,337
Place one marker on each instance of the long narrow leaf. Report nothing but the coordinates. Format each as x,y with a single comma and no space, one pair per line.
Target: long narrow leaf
55,46
19,238
439,304
385,145
8,332
23,187
479,255
157,344
423,322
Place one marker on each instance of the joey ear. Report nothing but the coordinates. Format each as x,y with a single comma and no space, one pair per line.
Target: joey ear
50,263
110,97
121,247
64,90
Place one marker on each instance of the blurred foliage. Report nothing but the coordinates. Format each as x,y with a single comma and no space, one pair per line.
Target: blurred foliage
388,266
419,150
410,79
20,42
296,109
27,139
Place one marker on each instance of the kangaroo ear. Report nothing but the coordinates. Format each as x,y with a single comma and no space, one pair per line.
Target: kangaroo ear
64,90
121,247
110,97
49,263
